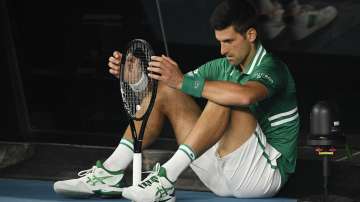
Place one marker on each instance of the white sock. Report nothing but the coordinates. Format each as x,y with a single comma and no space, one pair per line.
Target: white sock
121,157
179,162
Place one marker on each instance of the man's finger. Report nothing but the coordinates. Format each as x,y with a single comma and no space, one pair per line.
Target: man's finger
114,60
165,63
117,54
155,76
169,60
114,66
155,69
115,73
156,58
155,64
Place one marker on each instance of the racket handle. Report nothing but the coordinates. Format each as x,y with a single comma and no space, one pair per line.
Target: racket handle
137,164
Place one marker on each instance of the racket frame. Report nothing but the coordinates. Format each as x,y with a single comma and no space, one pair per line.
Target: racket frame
138,137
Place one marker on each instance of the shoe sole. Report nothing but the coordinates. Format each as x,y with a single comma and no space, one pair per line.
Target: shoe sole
173,199
82,195
110,194
74,194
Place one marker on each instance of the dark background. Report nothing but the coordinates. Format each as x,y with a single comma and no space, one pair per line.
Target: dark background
56,87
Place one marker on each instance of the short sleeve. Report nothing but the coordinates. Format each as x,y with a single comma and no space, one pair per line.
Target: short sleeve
272,75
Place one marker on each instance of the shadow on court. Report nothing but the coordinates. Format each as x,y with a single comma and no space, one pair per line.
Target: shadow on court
13,190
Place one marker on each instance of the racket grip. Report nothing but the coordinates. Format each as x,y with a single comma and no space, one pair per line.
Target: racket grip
137,164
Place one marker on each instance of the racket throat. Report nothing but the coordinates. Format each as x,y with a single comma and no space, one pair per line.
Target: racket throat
137,146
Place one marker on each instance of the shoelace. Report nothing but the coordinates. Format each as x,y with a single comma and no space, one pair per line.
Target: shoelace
86,172
160,190
154,172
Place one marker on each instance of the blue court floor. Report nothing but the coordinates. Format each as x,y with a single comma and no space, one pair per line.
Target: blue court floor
14,190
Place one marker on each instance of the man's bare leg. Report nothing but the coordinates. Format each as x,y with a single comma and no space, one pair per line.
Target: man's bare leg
209,128
233,125
230,126
241,127
199,130
181,110
195,133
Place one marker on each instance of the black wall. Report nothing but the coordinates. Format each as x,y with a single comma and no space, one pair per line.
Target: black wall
62,50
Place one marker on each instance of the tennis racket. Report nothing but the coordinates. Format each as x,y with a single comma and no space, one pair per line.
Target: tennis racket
138,92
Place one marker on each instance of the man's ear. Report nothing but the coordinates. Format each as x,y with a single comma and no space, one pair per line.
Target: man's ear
251,34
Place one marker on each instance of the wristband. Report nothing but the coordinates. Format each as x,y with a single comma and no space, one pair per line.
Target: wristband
141,84
193,86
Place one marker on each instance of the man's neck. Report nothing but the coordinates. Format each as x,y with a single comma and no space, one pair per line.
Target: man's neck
249,57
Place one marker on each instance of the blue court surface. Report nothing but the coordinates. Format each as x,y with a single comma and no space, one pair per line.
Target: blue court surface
13,190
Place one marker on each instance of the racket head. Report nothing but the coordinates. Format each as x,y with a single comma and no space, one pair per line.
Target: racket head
138,90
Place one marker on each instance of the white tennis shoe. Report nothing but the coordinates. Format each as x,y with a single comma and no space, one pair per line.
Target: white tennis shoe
95,181
155,187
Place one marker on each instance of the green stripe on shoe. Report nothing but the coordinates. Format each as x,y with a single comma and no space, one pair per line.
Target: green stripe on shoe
99,164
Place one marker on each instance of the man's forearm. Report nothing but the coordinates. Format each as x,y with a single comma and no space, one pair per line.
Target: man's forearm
224,92
227,93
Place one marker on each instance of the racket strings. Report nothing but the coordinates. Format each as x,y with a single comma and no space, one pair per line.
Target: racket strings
137,88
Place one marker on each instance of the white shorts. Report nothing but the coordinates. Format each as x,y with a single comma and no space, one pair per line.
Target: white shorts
248,172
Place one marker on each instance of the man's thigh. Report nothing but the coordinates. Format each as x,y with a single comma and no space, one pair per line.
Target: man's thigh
181,110
244,173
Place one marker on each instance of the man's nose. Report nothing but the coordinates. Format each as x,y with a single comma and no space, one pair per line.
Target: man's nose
223,49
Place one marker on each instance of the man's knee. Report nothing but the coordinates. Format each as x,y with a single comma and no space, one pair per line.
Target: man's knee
166,93
164,89
212,106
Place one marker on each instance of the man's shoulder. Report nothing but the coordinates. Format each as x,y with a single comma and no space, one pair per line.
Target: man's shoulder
218,64
272,60
211,69
272,63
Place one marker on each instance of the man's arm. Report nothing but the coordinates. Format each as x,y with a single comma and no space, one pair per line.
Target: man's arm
227,93
221,92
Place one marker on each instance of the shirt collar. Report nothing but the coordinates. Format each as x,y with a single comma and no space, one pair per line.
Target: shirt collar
256,60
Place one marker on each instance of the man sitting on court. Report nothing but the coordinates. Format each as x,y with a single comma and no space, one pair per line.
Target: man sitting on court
242,144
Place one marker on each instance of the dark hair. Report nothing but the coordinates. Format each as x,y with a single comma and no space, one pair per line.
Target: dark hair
239,13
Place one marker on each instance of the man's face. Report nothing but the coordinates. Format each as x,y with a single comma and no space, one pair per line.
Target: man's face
234,46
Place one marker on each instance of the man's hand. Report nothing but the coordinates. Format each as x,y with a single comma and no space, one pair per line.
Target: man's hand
114,64
167,70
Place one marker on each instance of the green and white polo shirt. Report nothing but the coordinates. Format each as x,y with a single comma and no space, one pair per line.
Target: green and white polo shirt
277,114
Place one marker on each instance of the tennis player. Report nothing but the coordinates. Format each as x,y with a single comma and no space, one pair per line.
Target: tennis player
242,144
